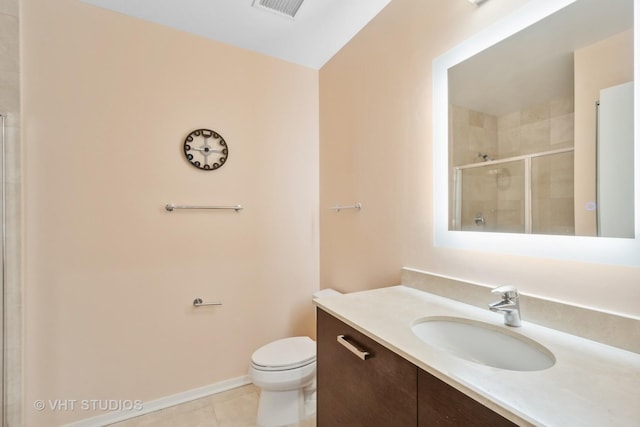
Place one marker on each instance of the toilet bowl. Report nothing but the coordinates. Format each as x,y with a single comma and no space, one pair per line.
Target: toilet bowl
285,371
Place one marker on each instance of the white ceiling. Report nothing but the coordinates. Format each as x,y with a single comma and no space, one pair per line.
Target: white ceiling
320,29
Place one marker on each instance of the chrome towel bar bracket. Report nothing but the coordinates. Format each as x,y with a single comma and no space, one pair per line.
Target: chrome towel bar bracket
199,303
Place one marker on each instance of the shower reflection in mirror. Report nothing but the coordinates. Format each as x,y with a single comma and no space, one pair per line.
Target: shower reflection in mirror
527,153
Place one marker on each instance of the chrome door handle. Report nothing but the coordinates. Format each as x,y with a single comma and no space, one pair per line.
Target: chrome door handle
364,355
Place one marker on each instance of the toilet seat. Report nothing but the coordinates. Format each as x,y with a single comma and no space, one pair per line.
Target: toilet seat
284,354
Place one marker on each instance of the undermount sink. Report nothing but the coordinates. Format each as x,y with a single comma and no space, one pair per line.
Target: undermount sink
483,343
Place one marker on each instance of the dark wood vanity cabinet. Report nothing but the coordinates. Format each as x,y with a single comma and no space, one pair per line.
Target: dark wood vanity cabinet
378,391
440,405
384,389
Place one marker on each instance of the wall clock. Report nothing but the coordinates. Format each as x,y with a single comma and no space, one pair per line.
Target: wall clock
206,149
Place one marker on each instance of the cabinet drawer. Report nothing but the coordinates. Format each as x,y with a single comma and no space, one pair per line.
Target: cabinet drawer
357,390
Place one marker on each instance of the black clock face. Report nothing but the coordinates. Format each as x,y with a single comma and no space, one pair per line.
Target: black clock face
206,149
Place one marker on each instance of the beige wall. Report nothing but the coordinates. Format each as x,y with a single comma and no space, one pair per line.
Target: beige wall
376,148
109,274
599,66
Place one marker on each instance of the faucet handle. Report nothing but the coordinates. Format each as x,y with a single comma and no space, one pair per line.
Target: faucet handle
507,291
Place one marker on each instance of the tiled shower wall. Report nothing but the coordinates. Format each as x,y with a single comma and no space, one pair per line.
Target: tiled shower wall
10,105
540,128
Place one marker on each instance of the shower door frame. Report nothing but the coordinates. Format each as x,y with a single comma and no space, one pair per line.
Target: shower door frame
527,159
3,239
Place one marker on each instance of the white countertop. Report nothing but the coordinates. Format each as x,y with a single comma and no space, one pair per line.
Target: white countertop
591,384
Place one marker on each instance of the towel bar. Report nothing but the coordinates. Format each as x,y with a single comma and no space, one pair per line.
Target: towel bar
356,206
171,207
198,303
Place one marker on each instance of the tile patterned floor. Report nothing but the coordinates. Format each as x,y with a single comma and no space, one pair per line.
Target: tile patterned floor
233,408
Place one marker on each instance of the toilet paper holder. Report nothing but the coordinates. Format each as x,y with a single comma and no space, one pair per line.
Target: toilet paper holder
199,303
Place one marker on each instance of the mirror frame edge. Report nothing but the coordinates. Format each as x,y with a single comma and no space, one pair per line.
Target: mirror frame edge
601,250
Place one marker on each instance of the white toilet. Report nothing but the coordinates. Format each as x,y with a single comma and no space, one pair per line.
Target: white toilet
285,370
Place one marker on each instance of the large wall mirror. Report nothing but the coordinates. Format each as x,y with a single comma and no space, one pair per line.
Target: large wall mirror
534,142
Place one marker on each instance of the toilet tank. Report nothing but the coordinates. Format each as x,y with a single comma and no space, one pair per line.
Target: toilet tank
328,292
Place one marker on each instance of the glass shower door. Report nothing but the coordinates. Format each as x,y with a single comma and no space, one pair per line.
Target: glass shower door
491,197
532,193
552,194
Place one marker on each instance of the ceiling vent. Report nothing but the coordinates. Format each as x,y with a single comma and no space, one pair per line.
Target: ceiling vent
281,7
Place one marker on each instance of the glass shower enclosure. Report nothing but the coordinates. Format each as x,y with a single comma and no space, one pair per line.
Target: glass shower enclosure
531,193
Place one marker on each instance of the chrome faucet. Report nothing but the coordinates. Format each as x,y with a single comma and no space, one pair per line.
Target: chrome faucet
509,305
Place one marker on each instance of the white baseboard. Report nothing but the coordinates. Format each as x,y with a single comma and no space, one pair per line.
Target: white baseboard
163,402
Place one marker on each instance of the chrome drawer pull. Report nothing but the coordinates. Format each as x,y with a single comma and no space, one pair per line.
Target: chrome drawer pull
364,355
